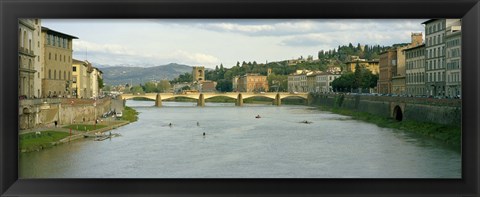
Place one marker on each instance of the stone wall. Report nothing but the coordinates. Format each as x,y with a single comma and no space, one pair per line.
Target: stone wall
44,112
441,111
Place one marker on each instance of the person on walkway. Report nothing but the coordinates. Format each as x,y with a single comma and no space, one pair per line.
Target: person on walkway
203,134
55,123
198,124
170,124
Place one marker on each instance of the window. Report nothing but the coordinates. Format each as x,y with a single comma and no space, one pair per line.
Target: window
54,39
49,56
74,69
55,57
49,74
54,74
64,75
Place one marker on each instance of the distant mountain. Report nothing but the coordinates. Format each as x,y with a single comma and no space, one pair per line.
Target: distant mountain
115,75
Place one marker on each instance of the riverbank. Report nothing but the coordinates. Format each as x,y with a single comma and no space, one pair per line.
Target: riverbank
43,138
450,135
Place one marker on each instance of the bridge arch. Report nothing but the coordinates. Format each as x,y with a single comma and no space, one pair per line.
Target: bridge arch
398,113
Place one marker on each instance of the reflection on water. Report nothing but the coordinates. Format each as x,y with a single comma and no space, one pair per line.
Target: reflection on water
237,145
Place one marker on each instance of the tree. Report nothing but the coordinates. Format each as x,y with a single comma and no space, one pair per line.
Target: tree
186,77
100,82
224,85
137,89
163,86
358,76
150,87
279,82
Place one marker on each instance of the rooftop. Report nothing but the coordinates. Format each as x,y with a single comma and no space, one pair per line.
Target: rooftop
58,33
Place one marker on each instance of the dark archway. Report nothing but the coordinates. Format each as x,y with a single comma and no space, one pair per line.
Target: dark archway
397,113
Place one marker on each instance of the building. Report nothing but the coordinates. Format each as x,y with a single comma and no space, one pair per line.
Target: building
453,42
372,65
398,80
311,81
297,82
252,83
57,61
80,79
95,76
26,58
235,83
178,87
415,70
435,66
208,86
323,81
38,66
388,69
198,73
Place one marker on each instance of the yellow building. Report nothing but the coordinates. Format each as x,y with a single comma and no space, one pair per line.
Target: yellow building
81,79
26,58
371,65
57,49
252,83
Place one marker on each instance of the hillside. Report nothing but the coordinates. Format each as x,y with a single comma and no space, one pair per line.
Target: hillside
115,75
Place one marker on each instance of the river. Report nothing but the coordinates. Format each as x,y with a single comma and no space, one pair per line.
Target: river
238,145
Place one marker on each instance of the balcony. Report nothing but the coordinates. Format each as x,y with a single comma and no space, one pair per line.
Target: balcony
453,29
25,51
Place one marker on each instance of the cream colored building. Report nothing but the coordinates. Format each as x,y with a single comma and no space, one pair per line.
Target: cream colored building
94,76
323,82
415,70
435,67
297,82
38,51
57,53
453,45
26,58
81,87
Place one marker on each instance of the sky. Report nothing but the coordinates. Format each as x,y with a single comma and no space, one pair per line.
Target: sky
211,42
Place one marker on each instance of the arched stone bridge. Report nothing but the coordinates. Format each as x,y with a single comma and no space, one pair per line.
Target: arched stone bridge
200,97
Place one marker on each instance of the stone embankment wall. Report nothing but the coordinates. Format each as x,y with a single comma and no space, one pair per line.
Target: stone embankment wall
441,111
44,112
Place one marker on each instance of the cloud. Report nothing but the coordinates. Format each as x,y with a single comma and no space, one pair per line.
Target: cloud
308,40
277,27
113,54
80,45
192,58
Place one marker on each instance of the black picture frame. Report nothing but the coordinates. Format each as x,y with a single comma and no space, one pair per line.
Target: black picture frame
468,10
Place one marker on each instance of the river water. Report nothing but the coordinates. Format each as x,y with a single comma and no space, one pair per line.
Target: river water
237,145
